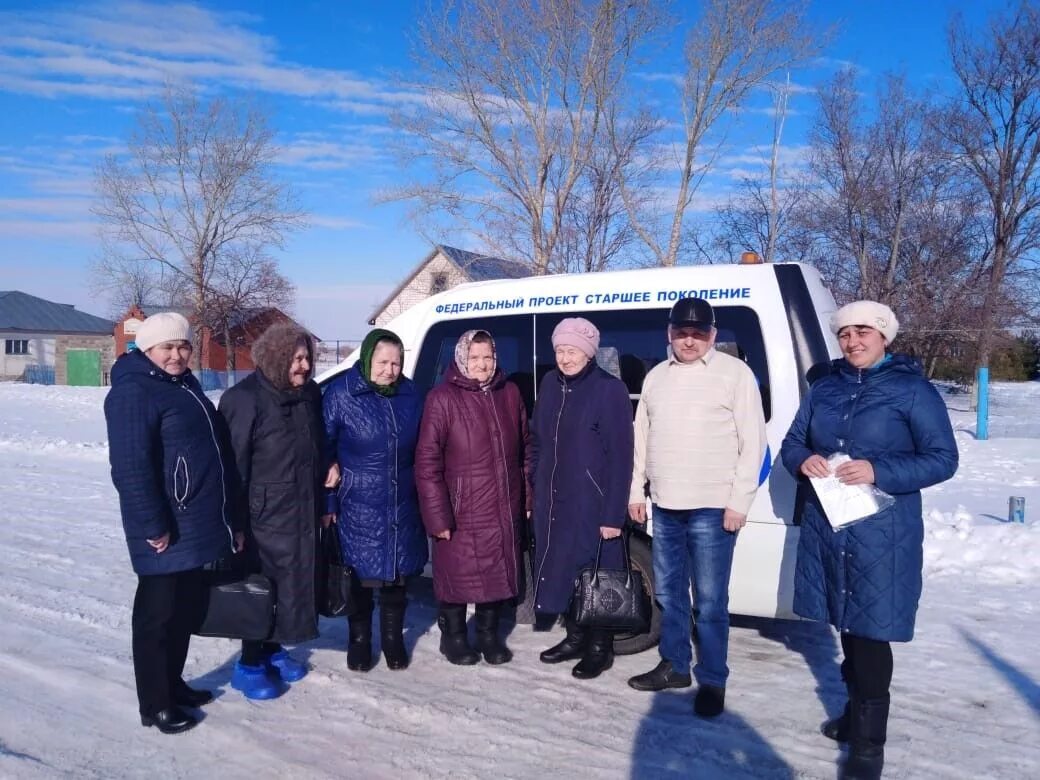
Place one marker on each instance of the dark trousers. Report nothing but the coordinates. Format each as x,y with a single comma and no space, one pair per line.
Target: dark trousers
256,653
867,665
166,611
389,595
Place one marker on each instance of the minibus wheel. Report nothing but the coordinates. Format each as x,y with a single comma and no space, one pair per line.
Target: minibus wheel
642,561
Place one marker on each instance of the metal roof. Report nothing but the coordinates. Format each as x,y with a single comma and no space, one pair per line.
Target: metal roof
477,267
21,312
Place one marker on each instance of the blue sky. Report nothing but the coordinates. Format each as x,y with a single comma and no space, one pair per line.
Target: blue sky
73,74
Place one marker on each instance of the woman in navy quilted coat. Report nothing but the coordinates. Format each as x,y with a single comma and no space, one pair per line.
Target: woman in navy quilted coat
372,415
581,456
173,469
865,579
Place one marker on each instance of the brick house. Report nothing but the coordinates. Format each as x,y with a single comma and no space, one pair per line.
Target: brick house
213,352
443,268
53,343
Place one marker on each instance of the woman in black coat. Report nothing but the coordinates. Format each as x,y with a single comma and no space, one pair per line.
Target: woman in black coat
278,437
171,466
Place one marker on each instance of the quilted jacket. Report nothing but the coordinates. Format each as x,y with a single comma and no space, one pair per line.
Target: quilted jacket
374,438
866,579
470,474
171,464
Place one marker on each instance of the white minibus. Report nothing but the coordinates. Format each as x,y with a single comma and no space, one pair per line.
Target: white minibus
772,316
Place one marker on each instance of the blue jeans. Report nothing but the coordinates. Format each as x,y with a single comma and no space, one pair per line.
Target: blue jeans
691,544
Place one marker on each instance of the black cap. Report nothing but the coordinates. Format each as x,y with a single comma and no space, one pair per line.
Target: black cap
692,313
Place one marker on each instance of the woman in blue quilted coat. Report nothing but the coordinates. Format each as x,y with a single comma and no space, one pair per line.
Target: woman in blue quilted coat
173,468
865,579
372,415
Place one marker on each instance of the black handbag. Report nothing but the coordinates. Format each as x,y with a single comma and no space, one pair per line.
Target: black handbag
237,605
611,599
335,578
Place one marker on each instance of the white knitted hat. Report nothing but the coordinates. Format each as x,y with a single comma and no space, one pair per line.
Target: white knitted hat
870,313
160,328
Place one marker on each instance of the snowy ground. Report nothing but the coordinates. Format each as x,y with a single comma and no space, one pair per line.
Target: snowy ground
966,695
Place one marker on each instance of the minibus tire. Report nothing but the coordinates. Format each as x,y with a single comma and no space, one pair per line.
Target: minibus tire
642,561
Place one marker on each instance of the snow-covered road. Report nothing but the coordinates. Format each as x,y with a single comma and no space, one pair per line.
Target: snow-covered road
966,694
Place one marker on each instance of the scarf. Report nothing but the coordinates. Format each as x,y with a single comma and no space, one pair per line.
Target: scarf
368,348
462,355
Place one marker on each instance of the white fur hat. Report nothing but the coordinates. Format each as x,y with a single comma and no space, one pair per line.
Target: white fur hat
870,313
160,328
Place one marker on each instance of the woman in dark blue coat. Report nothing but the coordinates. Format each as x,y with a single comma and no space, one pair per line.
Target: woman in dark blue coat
372,415
865,579
172,467
581,440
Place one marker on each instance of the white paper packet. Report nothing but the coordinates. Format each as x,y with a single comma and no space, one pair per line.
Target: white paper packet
847,504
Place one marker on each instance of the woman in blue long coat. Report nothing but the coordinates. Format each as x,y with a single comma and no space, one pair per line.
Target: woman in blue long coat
865,579
582,447
372,415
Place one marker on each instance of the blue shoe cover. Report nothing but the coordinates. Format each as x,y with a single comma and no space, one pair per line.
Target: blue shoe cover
287,667
255,682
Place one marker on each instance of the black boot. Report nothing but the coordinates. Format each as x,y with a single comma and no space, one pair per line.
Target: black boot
359,643
454,642
391,629
572,646
839,728
488,643
869,722
598,655
359,647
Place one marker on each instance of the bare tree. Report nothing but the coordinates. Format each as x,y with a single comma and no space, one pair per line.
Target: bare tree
764,214
516,97
194,191
735,46
244,282
994,128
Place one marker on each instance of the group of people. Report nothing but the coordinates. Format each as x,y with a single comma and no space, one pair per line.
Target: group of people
461,471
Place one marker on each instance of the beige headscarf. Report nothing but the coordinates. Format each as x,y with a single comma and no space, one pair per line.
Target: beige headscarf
462,354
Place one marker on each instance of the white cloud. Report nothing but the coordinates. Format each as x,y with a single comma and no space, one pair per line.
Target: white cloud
130,50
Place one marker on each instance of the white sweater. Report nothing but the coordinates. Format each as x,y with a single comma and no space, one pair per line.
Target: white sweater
700,435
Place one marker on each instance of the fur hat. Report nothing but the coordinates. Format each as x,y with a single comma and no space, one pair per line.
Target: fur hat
577,332
870,313
273,352
160,328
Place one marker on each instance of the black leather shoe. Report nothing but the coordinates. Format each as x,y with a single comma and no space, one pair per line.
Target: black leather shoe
172,720
572,646
710,701
660,677
186,696
598,655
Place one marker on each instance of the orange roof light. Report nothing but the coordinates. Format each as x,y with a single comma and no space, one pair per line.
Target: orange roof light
750,258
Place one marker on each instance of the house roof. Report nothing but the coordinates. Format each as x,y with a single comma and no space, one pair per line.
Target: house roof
477,267
239,319
26,313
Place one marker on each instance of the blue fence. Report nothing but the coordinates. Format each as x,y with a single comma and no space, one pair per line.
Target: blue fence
211,379
39,375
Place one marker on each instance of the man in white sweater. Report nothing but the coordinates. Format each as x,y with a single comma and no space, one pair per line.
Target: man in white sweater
700,438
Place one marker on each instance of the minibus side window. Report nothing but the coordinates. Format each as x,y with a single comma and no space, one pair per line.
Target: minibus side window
513,348
634,341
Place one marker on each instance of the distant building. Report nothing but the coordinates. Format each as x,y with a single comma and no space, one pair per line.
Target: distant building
445,267
213,351
53,343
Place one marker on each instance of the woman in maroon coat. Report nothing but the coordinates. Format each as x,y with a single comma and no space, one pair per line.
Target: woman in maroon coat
469,471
